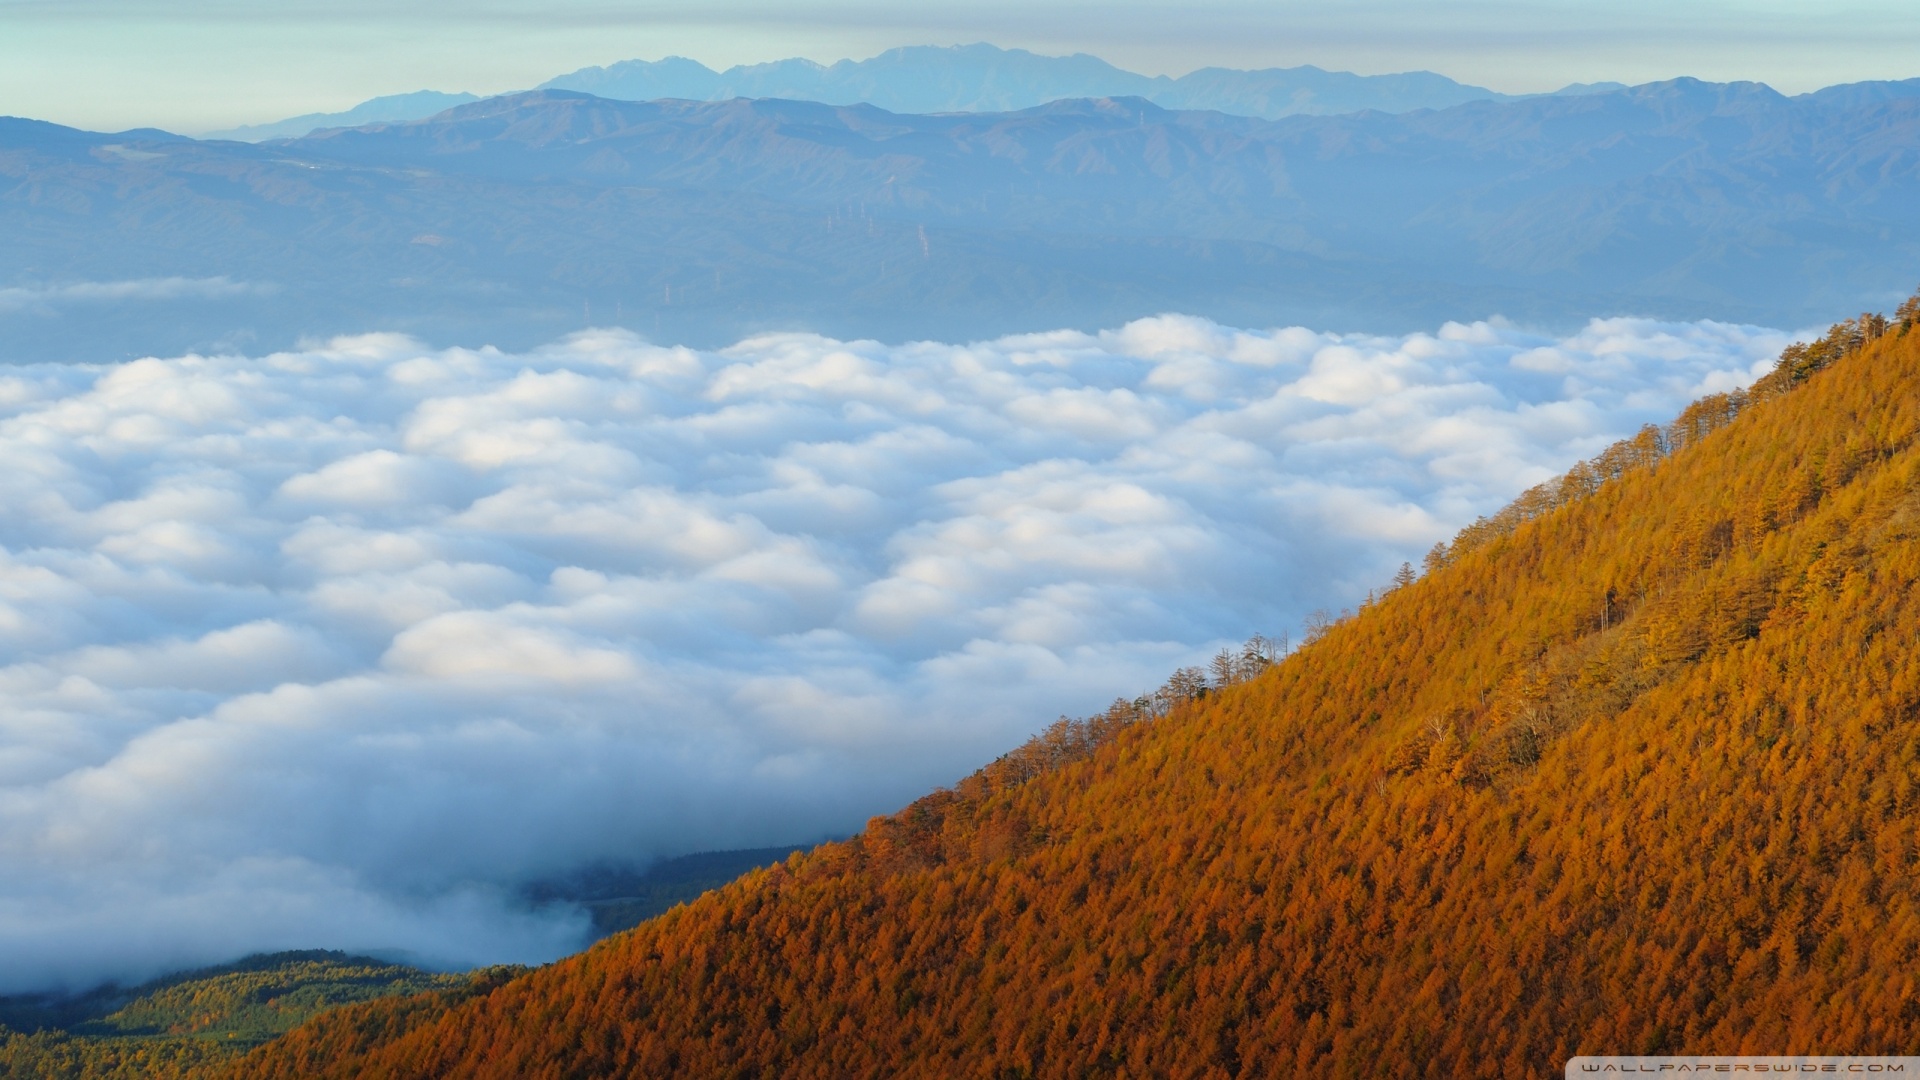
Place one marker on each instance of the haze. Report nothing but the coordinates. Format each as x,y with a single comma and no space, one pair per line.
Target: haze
199,65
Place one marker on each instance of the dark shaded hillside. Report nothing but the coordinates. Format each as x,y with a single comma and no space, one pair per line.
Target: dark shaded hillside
515,219
622,899
1633,767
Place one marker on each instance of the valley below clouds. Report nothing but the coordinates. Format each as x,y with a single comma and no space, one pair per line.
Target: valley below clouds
341,647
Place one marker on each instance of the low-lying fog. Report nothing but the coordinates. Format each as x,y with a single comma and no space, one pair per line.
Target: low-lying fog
336,648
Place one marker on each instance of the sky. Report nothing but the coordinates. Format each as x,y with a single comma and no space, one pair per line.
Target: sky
201,65
340,647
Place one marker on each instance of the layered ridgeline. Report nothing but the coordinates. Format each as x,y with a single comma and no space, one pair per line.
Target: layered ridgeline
961,78
515,220
1633,767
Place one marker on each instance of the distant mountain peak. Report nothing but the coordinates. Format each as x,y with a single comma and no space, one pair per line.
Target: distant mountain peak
980,77
971,77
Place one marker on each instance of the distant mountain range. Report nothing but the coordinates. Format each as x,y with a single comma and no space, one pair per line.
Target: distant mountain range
964,78
983,78
512,219
393,107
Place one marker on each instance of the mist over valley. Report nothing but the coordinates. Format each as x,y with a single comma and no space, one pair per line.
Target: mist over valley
355,642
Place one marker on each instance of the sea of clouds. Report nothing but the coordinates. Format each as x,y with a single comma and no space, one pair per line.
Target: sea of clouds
341,647
44,299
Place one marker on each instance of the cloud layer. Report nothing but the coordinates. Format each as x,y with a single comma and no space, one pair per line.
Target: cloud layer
46,298
339,647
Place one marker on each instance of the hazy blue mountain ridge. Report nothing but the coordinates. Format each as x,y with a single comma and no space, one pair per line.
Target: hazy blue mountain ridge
1854,95
963,78
984,78
513,219
413,106
1126,165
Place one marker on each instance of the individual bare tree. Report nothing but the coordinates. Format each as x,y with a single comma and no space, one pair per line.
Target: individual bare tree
1224,668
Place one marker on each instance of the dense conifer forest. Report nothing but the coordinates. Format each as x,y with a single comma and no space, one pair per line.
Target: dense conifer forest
1632,766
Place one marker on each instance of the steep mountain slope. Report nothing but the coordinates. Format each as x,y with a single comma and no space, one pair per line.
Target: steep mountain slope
515,219
1634,767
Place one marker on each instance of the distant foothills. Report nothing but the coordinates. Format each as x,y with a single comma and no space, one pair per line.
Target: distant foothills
515,220
961,78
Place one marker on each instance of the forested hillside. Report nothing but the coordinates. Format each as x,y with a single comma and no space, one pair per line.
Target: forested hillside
192,1024
1632,767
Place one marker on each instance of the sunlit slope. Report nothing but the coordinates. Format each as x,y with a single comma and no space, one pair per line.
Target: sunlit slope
1638,774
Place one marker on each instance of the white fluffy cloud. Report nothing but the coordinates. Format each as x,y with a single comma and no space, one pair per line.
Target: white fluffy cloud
339,647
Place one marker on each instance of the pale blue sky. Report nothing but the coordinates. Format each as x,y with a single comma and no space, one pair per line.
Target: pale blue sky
195,65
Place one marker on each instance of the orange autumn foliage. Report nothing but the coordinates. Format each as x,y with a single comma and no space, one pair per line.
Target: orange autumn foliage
1633,768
